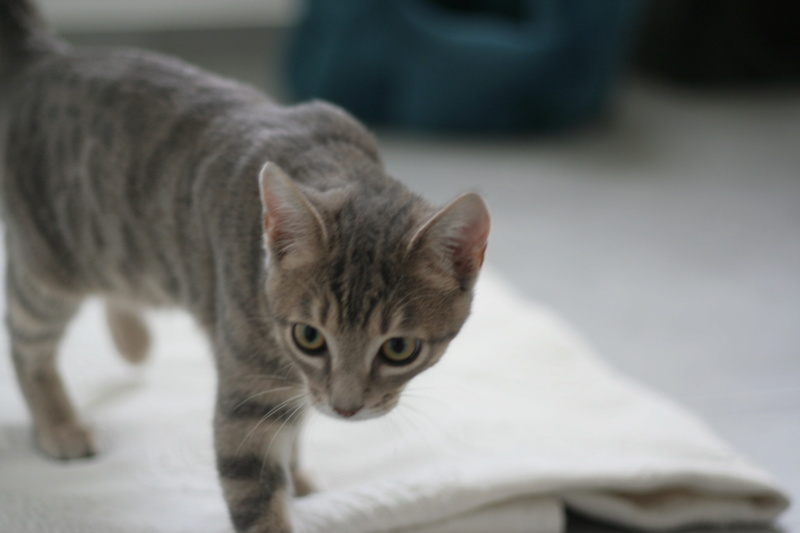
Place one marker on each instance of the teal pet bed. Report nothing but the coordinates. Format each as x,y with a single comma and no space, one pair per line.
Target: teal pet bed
462,65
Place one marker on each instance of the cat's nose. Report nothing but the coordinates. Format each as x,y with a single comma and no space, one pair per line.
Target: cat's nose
346,413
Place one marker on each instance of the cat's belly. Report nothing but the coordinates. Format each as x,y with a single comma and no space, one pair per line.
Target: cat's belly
67,244
135,264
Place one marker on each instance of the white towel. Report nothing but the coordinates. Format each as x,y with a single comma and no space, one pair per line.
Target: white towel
519,420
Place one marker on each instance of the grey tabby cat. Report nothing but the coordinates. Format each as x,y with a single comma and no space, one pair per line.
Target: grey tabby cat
320,280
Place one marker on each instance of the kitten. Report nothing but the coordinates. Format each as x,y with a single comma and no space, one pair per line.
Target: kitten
319,280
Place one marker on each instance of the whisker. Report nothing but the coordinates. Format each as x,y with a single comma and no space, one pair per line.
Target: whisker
393,425
312,416
296,410
430,399
300,435
262,393
414,423
272,376
288,418
266,417
449,410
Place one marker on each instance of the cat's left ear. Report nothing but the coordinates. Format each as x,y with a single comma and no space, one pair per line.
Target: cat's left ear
293,229
452,243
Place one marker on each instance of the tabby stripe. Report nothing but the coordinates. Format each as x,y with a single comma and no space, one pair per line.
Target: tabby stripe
246,512
386,319
169,139
171,281
133,254
401,218
369,309
27,337
235,409
96,233
242,352
269,474
45,311
337,271
324,310
267,482
245,353
240,468
238,280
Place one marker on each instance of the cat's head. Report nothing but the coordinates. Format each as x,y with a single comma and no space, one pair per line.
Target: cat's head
366,290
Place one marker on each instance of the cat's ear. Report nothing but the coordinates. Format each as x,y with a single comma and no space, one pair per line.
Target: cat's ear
452,243
294,231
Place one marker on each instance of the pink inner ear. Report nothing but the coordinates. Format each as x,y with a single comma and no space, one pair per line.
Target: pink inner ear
282,207
292,226
456,236
275,219
468,250
289,229
272,229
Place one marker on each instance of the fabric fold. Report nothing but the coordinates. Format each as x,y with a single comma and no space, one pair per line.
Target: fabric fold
519,421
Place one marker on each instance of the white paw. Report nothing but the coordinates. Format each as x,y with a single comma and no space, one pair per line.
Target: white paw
70,441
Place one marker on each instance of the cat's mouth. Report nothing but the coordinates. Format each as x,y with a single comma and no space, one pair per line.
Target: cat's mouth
350,409
364,413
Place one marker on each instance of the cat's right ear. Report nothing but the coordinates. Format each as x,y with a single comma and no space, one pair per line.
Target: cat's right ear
294,232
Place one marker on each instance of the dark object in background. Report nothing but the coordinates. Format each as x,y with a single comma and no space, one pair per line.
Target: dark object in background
717,42
463,65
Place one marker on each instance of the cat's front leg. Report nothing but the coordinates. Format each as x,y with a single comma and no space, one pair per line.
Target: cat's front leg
301,481
254,431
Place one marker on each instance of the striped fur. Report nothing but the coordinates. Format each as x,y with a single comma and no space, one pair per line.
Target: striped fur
142,180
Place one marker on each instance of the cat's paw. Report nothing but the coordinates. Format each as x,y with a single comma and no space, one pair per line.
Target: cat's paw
67,441
303,486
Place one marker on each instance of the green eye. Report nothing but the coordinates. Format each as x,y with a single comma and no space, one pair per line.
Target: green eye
400,350
309,339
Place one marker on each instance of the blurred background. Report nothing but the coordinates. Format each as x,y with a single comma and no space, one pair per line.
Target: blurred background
641,161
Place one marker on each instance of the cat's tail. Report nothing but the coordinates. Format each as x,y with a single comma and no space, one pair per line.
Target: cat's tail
129,332
23,35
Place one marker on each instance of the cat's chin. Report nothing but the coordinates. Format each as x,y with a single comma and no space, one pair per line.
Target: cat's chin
361,415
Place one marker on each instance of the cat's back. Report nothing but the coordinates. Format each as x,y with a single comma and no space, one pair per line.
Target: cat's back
128,146
102,148
139,99
135,89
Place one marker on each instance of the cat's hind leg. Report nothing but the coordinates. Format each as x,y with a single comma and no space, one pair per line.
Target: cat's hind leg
129,331
37,316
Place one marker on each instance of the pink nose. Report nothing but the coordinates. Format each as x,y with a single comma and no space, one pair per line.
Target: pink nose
345,412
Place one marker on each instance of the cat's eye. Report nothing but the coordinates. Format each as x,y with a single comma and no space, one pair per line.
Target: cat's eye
309,339
400,350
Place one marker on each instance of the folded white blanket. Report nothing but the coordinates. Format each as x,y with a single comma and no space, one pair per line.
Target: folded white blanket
519,420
